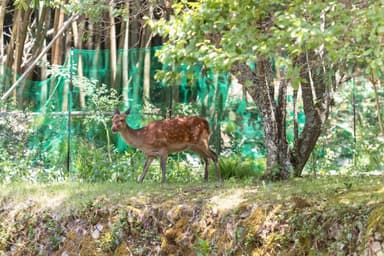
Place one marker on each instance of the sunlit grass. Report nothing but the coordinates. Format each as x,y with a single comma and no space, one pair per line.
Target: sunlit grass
338,189
70,195
66,196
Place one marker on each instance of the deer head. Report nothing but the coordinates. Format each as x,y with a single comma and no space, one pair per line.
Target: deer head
118,121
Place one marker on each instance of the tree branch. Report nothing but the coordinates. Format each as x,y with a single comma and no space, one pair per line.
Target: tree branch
33,64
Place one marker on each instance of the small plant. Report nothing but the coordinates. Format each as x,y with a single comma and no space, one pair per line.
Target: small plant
183,167
101,99
203,247
54,231
91,164
5,236
112,239
241,167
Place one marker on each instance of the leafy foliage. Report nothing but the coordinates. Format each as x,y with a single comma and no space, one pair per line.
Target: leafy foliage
341,148
215,34
218,34
238,167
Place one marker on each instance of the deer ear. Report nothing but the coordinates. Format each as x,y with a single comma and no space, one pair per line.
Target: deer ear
128,111
117,112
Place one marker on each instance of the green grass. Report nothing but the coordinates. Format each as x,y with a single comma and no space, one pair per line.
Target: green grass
73,195
330,189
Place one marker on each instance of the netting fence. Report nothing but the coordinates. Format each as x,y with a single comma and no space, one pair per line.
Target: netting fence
61,125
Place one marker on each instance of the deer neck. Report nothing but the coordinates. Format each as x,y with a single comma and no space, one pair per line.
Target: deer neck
130,136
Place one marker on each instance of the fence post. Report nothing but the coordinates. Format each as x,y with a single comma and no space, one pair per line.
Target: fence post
69,112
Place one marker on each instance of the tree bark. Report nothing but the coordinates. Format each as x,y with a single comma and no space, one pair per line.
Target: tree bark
8,79
147,76
146,39
282,160
42,19
3,10
57,54
259,84
122,75
295,117
135,28
19,52
97,46
316,103
78,43
112,38
125,75
41,29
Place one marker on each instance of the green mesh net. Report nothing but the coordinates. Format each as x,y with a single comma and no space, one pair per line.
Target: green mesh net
88,90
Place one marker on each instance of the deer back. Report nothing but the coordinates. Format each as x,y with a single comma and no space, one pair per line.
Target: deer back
177,130
164,136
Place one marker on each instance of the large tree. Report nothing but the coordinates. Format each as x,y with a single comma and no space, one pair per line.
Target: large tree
312,46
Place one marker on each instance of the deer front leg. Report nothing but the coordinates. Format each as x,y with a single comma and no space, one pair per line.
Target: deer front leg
163,164
145,169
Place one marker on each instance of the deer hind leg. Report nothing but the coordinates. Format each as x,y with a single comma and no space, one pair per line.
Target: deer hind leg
207,154
212,155
206,170
205,157
215,160
163,164
145,169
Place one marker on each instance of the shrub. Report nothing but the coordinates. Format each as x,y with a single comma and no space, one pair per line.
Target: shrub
241,167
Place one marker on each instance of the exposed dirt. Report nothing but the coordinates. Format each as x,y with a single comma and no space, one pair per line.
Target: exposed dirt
203,220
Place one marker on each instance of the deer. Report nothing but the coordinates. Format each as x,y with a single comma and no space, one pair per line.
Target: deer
163,137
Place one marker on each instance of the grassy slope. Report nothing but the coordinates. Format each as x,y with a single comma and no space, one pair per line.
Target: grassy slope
304,216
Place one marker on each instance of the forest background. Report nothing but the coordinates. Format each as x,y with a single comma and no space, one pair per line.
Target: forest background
321,63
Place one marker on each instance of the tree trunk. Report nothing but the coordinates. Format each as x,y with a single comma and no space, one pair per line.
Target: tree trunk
377,103
134,38
295,117
8,79
273,115
42,20
146,39
78,44
3,10
316,103
58,46
90,42
19,52
147,76
56,52
125,71
282,161
113,47
41,31
97,46
122,62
